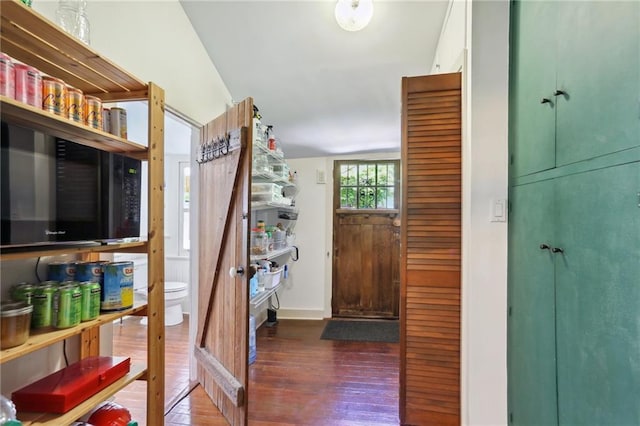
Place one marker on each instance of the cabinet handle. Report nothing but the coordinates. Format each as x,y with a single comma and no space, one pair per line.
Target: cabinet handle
545,101
557,250
544,246
559,92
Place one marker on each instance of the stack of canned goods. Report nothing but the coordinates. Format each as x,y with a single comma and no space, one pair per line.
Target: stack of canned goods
28,85
76,292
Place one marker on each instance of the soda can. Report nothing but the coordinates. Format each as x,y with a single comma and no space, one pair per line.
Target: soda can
42,302
22,292
119,122
90,302
67,306
61,271
54,95
90,271
7,76
117,288
75,104
106,120
93,112
28,85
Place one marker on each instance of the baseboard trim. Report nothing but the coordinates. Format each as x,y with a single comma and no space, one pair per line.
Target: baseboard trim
307,314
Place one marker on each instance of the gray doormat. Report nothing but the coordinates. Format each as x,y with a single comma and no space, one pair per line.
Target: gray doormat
363,331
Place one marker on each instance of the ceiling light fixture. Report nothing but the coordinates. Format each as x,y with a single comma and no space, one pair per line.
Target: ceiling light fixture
354,15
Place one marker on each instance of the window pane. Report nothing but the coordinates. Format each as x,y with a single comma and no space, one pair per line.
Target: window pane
186,187
367,198
381,201
185,231
348,174
347,198
367,175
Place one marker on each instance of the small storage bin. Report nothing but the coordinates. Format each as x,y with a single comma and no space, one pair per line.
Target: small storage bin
272,279
281,171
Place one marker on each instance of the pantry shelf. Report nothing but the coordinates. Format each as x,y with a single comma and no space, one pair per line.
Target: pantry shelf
136,372
71,249
263,296
35,118
39,340
272,254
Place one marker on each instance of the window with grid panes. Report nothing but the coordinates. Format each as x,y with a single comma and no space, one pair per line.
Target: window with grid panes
369,184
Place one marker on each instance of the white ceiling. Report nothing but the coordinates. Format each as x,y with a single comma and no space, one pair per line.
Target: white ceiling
325,90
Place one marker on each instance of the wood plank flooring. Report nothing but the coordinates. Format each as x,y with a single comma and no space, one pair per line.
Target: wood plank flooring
297,379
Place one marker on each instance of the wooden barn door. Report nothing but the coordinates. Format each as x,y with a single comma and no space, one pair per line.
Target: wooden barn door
221,347
430,254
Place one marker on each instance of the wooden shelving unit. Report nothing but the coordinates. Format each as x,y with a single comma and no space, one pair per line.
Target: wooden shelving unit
40,339
31,38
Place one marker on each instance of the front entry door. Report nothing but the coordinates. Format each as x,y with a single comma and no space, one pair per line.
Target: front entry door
221,348
366,237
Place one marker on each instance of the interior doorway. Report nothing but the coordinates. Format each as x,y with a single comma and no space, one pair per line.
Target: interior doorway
366,239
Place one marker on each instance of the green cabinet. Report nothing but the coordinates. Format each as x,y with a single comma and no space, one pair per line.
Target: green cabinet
531,333
531,84
574,299
598,296
574,223
575,82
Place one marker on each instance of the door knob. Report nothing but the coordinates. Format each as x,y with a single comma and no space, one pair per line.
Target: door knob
545,101
559,92
234,272
544,246
557,250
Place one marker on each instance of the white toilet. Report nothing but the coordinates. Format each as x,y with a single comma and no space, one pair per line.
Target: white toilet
174,293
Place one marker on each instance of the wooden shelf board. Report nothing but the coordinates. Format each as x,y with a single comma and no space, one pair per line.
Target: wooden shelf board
33,39
39,340
135,373
136,247
35,118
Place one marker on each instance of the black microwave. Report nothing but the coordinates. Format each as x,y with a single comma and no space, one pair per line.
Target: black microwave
56,191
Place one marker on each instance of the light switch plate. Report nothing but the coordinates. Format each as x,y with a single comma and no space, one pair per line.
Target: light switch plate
320,176
498,210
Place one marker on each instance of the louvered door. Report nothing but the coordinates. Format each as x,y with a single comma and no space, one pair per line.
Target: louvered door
430,255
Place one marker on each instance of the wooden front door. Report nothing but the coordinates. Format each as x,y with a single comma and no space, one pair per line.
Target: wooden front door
221,347
431,247
366,237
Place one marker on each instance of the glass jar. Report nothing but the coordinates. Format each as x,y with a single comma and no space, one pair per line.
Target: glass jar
258,242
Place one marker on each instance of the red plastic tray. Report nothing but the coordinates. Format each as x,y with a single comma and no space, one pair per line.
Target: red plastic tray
61,391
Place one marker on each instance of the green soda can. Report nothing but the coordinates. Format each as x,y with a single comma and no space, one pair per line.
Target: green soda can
42,301
90,300
23,292
67,306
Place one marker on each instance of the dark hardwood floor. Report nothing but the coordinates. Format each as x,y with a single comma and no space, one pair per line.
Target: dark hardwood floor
297,379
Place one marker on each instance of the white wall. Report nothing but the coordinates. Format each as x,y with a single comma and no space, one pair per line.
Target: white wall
154,41
452,42
476,37
485,178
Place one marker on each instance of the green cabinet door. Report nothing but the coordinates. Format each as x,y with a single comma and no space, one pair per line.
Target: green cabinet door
598,66
533,77
598,296
531,320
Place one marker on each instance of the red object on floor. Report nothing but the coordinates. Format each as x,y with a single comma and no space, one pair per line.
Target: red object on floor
61,391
